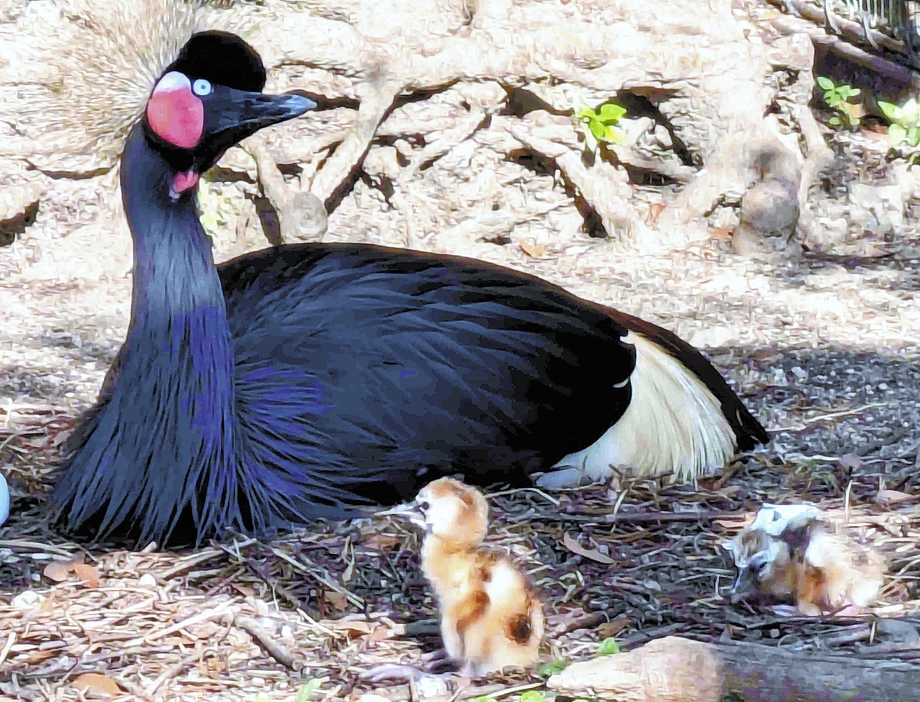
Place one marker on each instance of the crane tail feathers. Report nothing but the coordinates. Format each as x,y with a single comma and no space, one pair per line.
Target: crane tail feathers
677,424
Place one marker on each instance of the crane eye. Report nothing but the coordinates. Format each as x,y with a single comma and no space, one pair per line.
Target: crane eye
201,87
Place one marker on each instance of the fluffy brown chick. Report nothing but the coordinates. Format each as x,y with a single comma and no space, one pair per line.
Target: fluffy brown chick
810,561
490,615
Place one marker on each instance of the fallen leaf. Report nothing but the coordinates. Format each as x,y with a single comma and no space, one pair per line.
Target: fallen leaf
893,497
735,523
87,573
873,251
589,553
58,571
615,627
721,233
380,633
532,250
96,682
380,542
48,604
654,212
78,557
215,665
244,590
356,627
337,600
36,657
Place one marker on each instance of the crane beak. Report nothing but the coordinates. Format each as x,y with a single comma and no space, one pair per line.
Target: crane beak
241,111
231,115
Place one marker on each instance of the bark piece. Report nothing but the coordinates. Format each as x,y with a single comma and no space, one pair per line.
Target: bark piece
675,669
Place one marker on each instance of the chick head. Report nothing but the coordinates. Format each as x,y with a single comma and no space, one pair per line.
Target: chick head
453,511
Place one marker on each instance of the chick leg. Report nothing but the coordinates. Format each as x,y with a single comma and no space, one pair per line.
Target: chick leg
435,664
439,662
851,610
787,611
393,673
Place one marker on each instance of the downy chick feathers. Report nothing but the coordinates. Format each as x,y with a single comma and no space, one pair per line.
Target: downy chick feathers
793,552
490,615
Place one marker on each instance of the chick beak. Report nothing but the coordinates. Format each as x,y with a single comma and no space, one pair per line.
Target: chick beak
743,585
409,511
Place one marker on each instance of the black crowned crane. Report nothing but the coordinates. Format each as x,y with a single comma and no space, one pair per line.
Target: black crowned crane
304,381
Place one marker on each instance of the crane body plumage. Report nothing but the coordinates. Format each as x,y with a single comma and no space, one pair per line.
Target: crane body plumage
304,380
298,380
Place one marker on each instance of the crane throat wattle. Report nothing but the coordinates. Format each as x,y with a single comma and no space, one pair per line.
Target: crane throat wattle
182,182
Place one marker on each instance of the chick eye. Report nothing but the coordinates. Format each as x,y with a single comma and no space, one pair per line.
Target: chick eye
424,505
201,87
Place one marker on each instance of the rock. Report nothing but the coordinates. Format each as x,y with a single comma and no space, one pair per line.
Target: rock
303,218
770,208
878,209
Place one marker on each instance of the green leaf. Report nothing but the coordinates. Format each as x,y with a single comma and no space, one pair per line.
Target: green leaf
598,129
612,113
847,92
303,695
586,113
896,134
552,668
608,647
833,99
532,696
910,112
484,699
835,121
825,83
615,136
891,111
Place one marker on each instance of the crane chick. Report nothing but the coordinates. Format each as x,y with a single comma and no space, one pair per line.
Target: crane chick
790,552
490,615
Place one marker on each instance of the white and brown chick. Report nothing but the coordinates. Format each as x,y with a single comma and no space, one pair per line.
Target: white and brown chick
491,617
792,552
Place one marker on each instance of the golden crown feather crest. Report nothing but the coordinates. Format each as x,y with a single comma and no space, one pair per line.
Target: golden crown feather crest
98,69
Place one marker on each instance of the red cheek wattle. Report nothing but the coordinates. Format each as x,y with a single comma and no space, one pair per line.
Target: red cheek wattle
176,116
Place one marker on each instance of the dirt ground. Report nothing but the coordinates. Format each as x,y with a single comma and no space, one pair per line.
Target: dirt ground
824,352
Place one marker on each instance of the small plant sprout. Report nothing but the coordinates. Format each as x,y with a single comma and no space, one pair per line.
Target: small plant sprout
552,668
304,694
905,124
608,647
600,127
837,97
